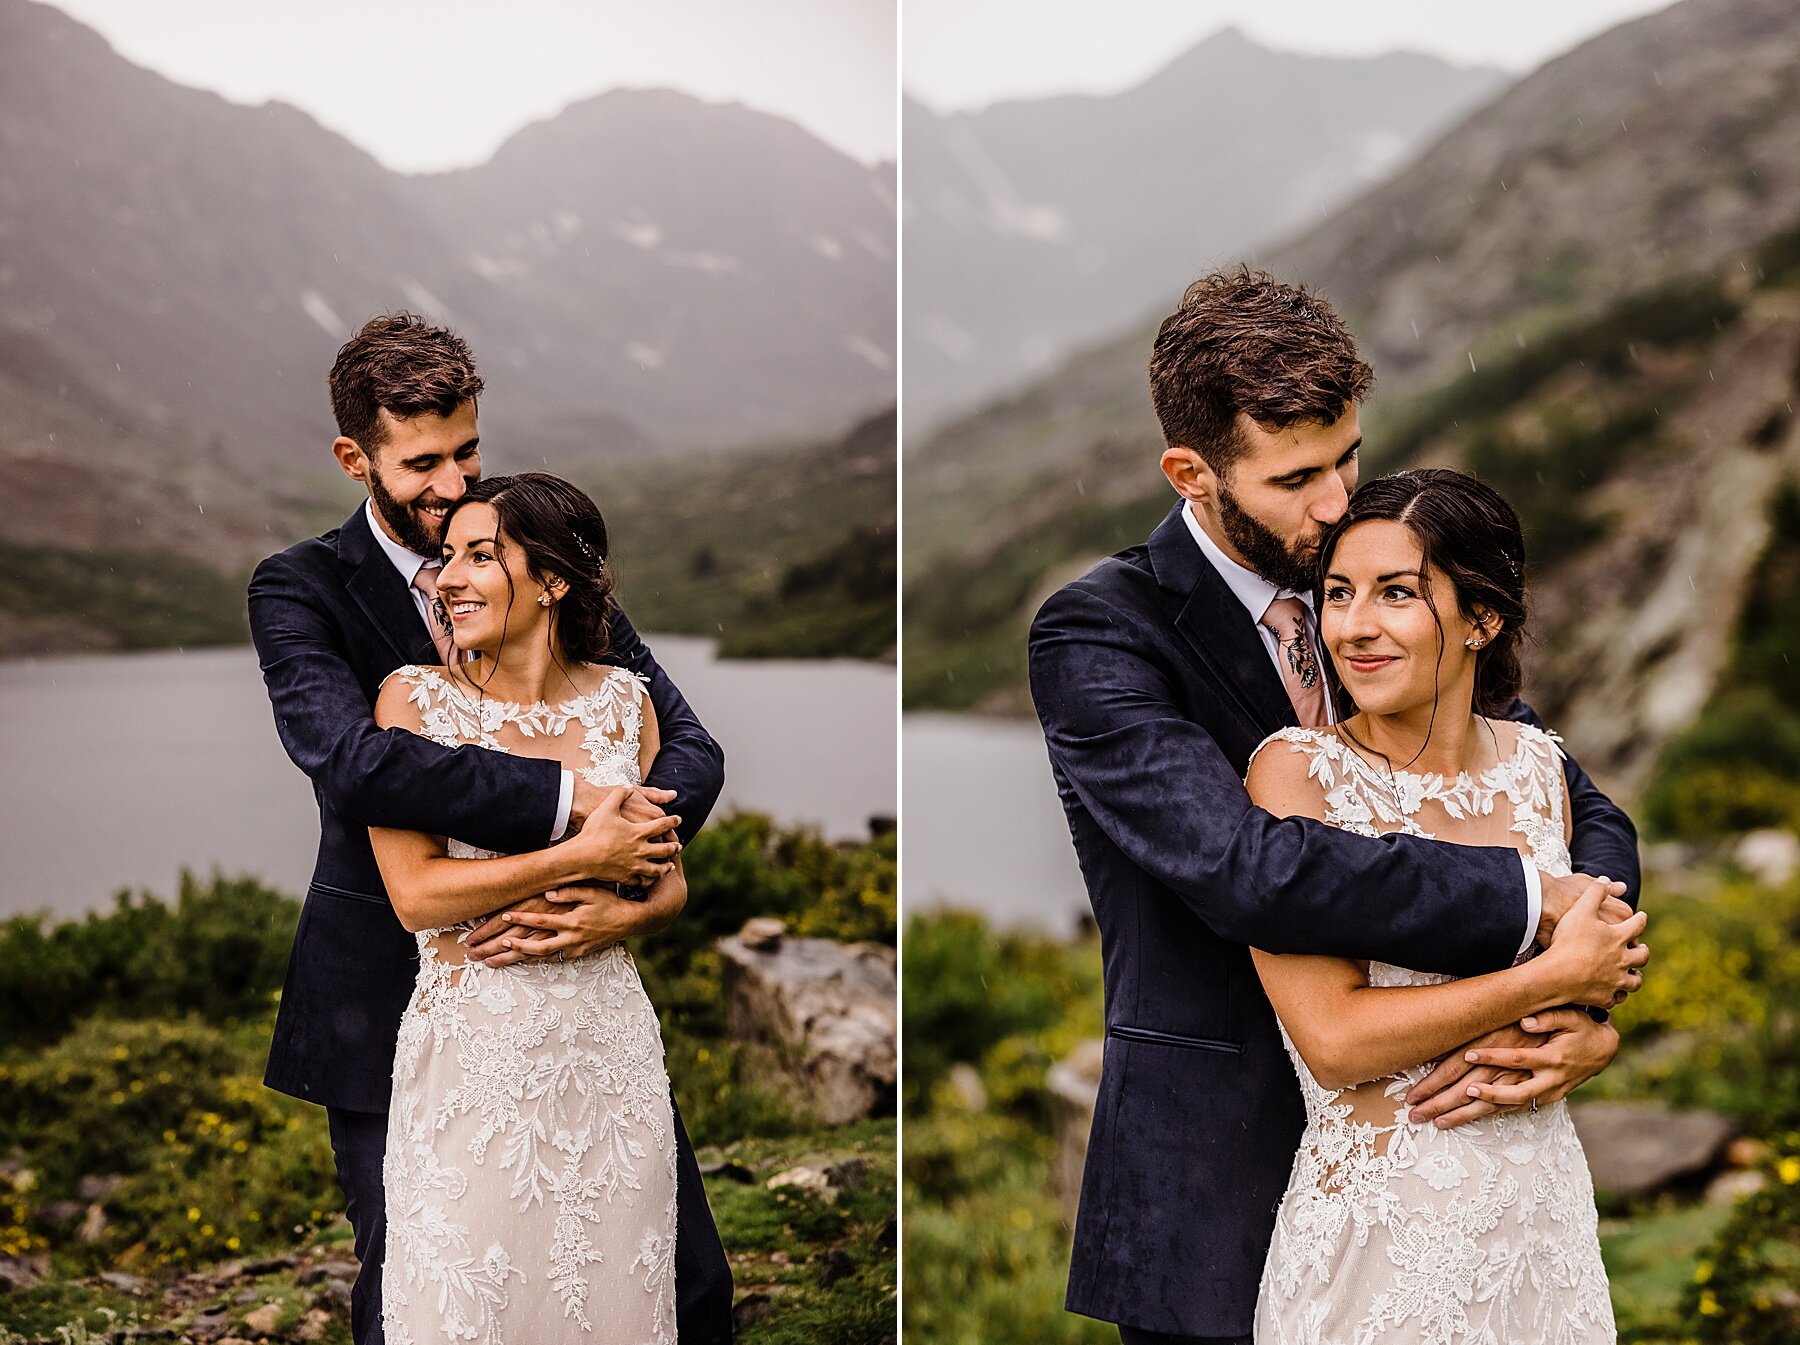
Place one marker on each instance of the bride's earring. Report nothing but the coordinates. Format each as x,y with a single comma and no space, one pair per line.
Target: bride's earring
543,600
1473,643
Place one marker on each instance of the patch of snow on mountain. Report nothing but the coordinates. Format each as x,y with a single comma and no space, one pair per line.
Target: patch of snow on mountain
645,235
313,304
871,352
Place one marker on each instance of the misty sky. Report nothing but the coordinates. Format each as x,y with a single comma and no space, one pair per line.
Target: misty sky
430,84
968,53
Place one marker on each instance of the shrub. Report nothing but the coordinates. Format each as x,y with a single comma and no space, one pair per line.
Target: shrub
220,951
1743,1291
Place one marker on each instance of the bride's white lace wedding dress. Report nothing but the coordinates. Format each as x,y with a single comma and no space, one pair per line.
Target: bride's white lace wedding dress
530,1170
1391,1231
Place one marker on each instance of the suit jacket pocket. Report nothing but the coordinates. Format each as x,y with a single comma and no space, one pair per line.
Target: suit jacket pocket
328,890
1125,1032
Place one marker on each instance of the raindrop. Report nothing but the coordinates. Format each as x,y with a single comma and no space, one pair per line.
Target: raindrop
1471,355
1415,327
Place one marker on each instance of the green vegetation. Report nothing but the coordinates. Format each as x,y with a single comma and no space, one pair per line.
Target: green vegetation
125,599
1737,766
776,554
138,1138
1717,1025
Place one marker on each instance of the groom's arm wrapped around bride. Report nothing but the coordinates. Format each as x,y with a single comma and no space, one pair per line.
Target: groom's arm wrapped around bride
1159,772
392,778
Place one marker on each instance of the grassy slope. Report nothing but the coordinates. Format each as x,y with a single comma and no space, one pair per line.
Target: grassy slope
134,1044
778,553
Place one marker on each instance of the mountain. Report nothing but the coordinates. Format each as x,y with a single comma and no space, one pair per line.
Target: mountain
645,276
1602,269
1036,227
643,271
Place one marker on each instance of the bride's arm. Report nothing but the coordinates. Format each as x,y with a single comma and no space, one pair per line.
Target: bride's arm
594,918
429,890
1348,1031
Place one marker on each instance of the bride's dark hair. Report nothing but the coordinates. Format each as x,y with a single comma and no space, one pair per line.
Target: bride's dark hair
561,533
1469,534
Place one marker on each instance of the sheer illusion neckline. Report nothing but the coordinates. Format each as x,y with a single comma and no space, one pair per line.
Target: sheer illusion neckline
1492,777
570,707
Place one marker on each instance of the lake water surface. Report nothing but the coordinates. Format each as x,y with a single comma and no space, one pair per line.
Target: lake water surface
122,769
982,828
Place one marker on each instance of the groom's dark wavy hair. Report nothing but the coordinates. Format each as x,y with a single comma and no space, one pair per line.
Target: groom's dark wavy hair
561,534
1468,533
404,365
1243,341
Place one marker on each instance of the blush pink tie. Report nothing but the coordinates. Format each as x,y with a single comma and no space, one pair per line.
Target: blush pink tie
1300,671
426,581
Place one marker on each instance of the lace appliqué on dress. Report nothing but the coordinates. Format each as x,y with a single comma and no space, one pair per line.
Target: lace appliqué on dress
1400,1232
530,1137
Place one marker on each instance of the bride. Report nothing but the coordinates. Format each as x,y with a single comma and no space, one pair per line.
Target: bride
530,1172
1389,1230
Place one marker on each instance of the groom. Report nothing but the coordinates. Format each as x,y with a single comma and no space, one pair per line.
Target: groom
333,616
1155,675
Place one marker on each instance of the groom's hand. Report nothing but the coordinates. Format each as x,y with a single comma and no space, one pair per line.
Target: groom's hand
485,943
1560,894
578,920
1545,1058
644,803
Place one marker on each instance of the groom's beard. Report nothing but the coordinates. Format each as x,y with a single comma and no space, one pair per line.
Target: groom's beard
1294,568
413,529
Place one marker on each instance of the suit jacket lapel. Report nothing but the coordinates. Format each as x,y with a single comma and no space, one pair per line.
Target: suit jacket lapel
1216,627
382,594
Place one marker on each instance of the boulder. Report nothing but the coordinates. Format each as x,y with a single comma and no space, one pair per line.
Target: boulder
823,1177
825,1009
1074,1082
23,1272
1771,855
1637,1147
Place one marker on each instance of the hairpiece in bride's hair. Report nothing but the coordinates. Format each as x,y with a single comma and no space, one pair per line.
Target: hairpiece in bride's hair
598,561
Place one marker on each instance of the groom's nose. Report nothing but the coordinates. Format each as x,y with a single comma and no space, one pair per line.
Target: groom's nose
1332,500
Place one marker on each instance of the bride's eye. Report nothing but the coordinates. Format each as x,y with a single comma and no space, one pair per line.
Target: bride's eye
1337,593
1400,592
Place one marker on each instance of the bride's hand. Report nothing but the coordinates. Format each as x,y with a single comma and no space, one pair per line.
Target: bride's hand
1595,960
612,848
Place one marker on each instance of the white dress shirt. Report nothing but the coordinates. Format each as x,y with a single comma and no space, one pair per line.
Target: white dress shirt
1256,593
409,563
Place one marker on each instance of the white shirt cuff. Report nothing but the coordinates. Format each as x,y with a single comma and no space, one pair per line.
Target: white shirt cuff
1534,903
566,801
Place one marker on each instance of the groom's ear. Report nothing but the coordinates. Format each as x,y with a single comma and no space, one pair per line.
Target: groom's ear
1190,474
351,458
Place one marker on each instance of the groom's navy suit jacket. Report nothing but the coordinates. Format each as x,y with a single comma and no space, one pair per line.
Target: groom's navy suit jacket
1154,688
331,617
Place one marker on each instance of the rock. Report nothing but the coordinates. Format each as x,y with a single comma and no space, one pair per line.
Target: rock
209,1325
835,1265
1746,1151
1637,1147
270,1266
264,1319
964,1085
333,1299
313,1325
245,1296
826,1180
99,1188
729,1170
57,1215
749,1310
1730,1187
23,1272
93,1224
120,1282
1075,1084
763,933
827,1011
1771,855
